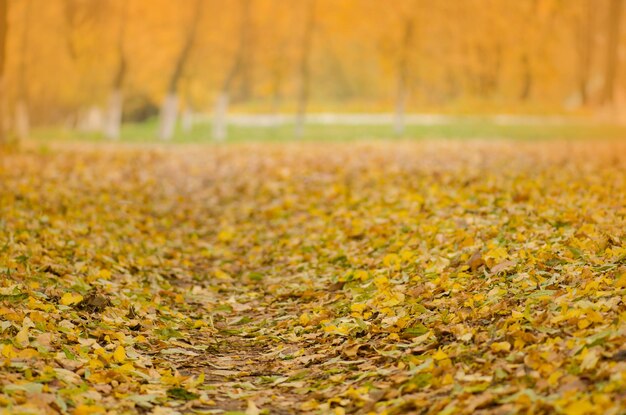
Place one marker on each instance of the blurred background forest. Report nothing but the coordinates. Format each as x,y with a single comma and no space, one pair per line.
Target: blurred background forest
95,65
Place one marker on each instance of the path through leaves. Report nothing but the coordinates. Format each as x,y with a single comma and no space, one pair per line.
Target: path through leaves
432,277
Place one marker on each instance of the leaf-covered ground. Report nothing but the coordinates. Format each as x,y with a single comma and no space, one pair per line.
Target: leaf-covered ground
432,277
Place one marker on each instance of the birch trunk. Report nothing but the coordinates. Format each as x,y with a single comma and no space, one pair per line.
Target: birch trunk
399,118
91,120
403,74
169,113
186,119
169,109
305,72
220,127
22,121
612,55
113,122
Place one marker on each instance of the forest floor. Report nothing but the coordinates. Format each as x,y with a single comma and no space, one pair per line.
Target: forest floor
366,277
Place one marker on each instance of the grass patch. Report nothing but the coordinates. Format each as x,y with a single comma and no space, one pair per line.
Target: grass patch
455,129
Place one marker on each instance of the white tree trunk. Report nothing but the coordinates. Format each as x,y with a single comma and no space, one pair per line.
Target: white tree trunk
299,127
113,122
169,113
186,119
22,122
220,128
398,124
92,120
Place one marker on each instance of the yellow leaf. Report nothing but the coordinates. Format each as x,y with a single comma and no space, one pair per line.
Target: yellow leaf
553,379
358,308
37,317
580,407
391,260
517,315
225,236
8,351
105,274
89,410
95,364
71,298
221,275
361,275
119,354
199,323
501,347
440,355
28,354
381,282
406,255
590,358
310,405
621,281
447,379
497,255
304,319
22,337
126,368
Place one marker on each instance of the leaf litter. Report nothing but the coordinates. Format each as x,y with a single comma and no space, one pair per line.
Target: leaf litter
431,278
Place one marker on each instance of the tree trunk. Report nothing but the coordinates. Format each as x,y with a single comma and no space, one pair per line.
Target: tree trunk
22,121
220,127
527,78
113,122
585,50
246,48
169,108
612,56
91,120
186,119
398,121
69,13
305,72
403,73
169,113
22,124
3,41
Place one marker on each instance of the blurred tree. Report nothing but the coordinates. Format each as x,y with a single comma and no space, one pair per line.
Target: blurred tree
169,108
113,122
70,9
408,29
612,53
4,11
585,32
22,119
331,55
304,69
84,36
237,68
